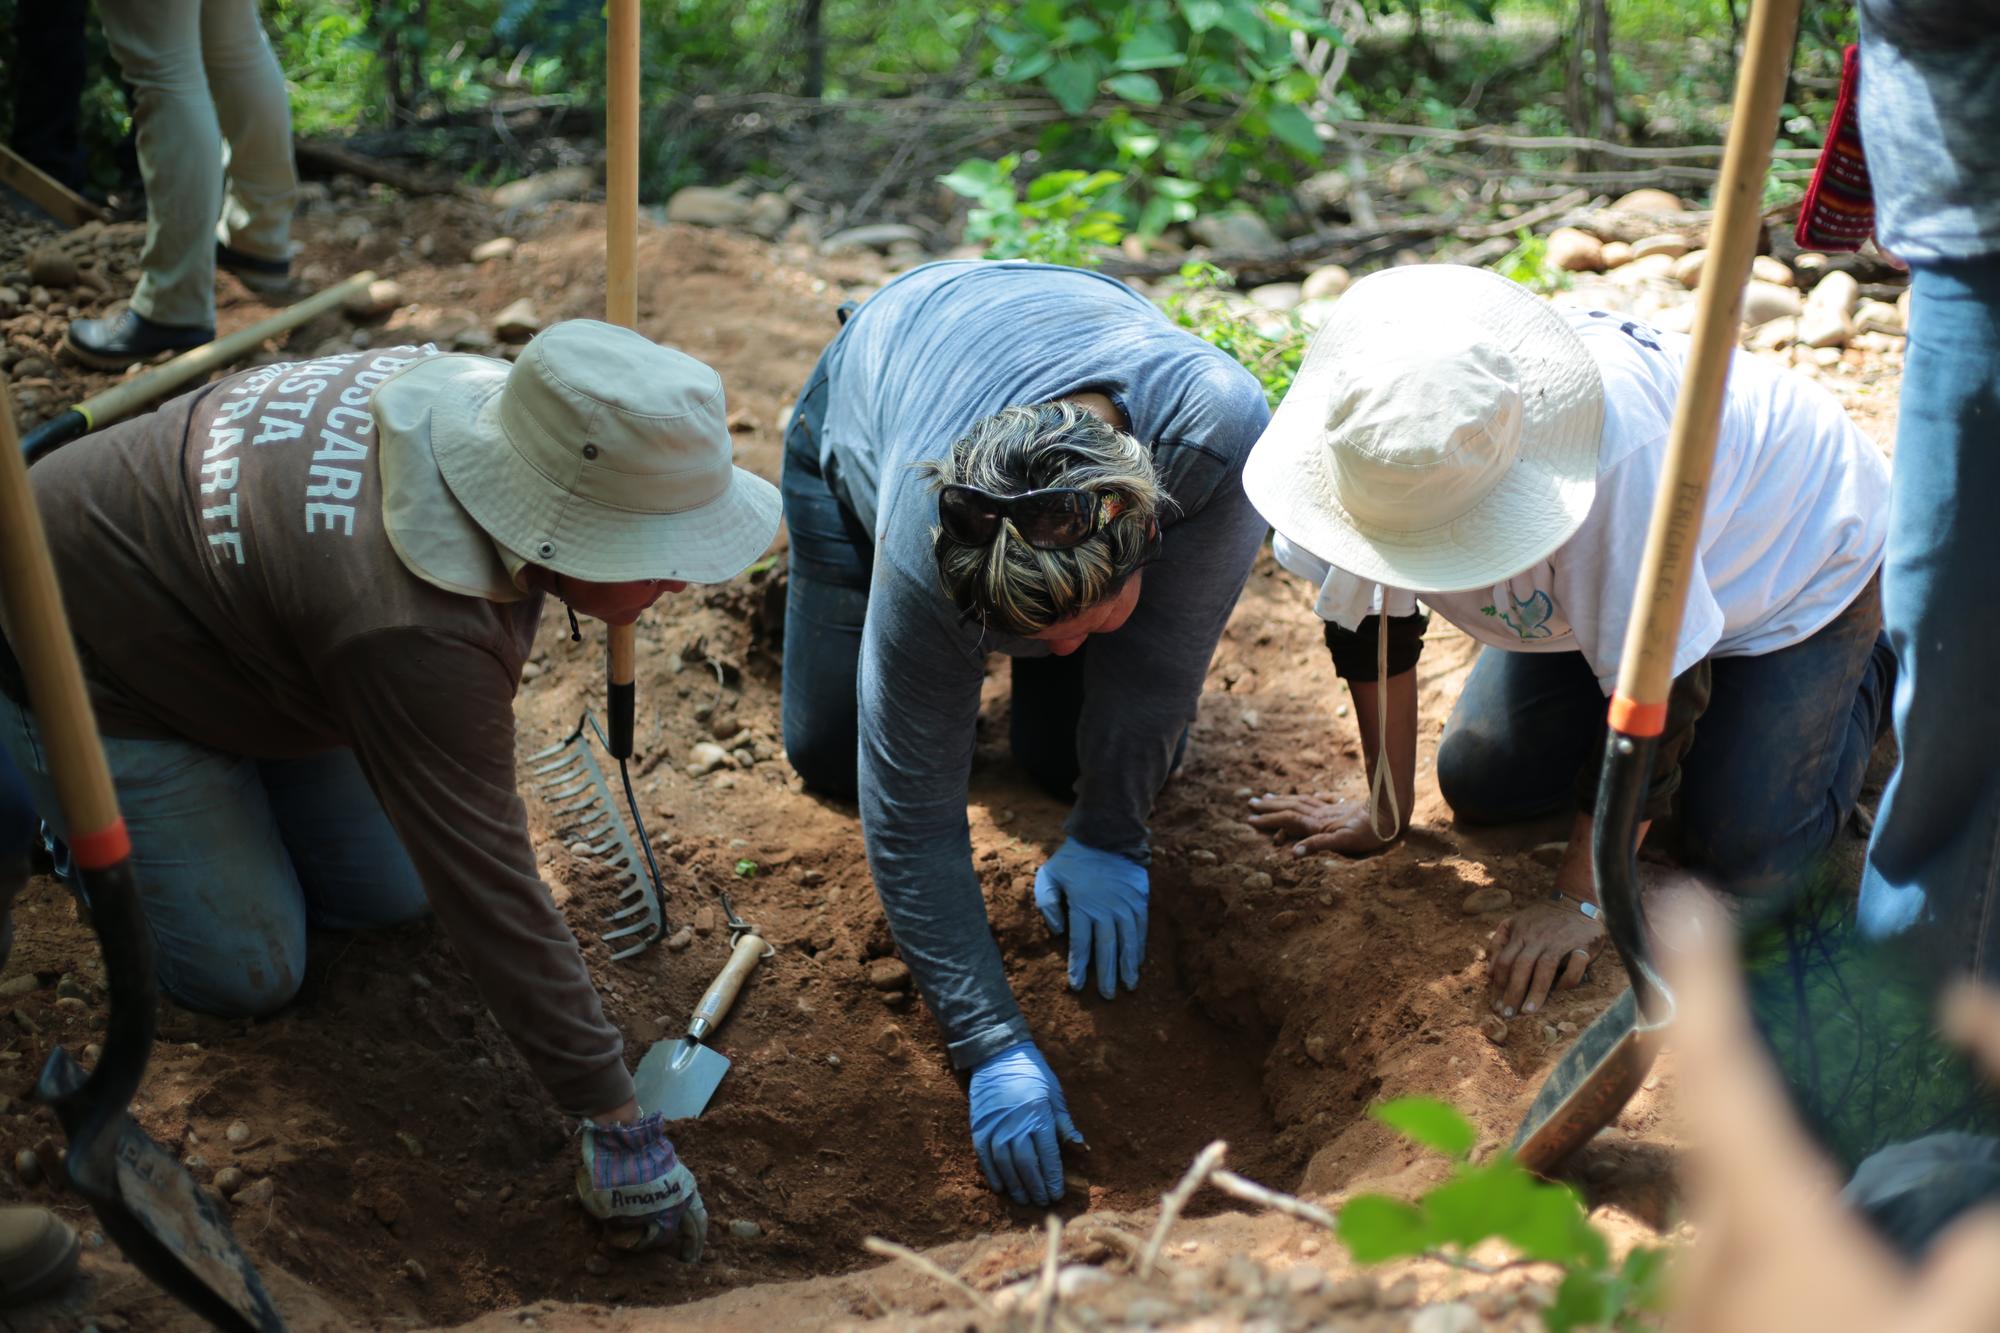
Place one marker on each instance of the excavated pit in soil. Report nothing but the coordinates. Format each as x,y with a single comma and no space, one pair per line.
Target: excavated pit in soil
418,1176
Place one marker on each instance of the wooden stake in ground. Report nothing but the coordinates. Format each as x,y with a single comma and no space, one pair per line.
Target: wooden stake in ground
46,192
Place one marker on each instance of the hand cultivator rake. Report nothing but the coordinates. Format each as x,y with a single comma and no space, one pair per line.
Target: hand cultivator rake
575,785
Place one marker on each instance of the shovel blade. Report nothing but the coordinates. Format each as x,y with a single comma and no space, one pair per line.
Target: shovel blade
1588,1087
677,1078
148,1204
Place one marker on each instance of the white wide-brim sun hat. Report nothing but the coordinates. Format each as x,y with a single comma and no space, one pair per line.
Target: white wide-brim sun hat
600,455
1442,433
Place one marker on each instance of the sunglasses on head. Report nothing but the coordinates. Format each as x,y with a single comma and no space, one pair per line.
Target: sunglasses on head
1051,520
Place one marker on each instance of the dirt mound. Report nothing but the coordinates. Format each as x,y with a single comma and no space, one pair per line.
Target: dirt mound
402,1168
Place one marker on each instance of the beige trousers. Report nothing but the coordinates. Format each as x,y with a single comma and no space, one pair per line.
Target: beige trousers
205,76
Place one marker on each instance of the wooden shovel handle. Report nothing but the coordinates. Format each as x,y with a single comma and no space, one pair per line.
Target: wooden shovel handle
1646,667
621,299
722,992
38,631
128,396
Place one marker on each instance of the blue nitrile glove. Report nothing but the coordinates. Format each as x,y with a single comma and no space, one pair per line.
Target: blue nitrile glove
1017,1111
1106,894
631,1175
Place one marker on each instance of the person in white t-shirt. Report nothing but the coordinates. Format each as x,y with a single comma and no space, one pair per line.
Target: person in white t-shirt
1453,437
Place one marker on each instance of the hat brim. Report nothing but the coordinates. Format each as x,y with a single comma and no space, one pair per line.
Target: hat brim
532,514
1536,507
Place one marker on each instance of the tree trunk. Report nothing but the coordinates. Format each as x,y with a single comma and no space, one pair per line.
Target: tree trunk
813,36
1591,100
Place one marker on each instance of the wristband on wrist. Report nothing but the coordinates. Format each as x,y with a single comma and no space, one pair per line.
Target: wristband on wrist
1591,910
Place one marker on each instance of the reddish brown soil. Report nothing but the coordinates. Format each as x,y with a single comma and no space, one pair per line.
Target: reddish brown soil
420,1176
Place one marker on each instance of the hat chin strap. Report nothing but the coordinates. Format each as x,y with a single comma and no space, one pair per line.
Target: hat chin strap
1382,790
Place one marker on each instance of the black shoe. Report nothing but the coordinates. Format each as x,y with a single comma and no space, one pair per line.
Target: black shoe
128,336
266,277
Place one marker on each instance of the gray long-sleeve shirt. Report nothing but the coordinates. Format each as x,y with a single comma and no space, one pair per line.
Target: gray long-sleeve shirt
935,351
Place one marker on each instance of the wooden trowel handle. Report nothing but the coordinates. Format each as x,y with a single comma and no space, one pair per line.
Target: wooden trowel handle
622,667
721,993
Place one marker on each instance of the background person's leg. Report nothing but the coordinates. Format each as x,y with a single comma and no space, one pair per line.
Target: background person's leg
1522,728
1779,756
228,917
826,602
1047,704
255,116
346,854
1935,858
158,46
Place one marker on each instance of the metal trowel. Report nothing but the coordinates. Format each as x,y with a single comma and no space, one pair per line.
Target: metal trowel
678,1078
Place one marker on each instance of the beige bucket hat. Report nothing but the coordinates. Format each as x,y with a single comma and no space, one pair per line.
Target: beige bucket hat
1442,434
599,454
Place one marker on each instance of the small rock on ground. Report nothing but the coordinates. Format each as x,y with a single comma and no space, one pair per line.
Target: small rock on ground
518,322
1492,898
744,1229
1455,1317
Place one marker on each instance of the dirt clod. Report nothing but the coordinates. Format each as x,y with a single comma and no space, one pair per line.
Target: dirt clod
237,1133
28,1167
51,268
680,939
1453,1317
1495,1029
888,974
256,1193
1492,898
743,1228
228,1180
1359,1289
1399,1294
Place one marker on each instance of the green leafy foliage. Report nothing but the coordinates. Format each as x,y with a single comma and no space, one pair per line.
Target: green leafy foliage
1528,264
1269,347
1208,95
1500,1200
746,868
1429,1122
1058,220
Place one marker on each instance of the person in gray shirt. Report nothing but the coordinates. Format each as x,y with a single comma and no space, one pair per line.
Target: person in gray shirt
1031,460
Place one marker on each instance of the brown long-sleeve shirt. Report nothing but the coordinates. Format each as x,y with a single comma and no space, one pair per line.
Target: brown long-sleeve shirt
226,572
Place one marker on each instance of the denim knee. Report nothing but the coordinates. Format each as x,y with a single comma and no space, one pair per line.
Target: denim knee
1477,778
825,757
234,983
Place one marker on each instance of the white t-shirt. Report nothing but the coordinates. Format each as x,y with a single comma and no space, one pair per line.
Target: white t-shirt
1796,518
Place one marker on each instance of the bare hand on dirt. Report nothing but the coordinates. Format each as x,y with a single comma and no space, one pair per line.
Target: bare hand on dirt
1778,1250
1322,822
1543,947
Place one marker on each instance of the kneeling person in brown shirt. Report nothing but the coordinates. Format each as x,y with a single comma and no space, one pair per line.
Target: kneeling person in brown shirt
304,595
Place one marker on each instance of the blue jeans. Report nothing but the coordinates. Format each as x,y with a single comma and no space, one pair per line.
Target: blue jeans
235,858
1935,861
1774,770
826,601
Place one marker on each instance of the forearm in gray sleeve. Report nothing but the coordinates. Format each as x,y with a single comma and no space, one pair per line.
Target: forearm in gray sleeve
919,706
1144,682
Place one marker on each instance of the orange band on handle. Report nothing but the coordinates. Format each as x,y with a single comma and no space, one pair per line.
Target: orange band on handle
1631,718
106,847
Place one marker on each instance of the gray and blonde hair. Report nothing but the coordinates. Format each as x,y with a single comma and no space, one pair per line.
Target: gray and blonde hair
1010,585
